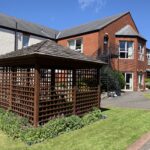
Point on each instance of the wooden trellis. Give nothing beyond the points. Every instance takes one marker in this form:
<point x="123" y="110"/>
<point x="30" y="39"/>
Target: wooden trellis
<point x="60" y="92"/>
<point x="42" y="87"/>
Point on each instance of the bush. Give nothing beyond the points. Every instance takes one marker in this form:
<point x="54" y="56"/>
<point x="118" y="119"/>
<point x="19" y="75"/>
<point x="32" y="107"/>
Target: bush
<point x="120" y="78"/>
<point x="147" y="83"/>
<point x="12" y="124"/>
<point x="91" y="117"/>
<point x="111" y="80"/>
<point x="18" y="127"/>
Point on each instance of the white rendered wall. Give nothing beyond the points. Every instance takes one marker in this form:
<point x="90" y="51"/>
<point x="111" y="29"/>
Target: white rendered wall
<point x="32" y="40"/>
<point x="7" y="41"/>
<point x="35" y="40"/>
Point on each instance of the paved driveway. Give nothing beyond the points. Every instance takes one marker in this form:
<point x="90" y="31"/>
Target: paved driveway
<point x="128" y="100"/>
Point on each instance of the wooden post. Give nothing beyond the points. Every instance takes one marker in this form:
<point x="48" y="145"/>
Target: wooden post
<point x="99" y="88"/>
<point x="11" y="88"/>
<point x="36" y="95"/>
<point x="74" y="91"/>
<point x="52" y="81"/>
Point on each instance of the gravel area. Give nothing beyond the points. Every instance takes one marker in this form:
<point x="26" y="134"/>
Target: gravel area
<point x="128" y="100"/>
<point x="146" y="146"/>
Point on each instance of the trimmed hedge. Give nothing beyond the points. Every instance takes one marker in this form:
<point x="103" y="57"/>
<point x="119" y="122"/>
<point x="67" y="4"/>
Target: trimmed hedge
<point x="18" y="127"/>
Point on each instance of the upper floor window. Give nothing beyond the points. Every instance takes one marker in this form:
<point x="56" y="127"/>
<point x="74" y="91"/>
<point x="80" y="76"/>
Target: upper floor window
<point x="148" y="57"/>
<point x="141" y="52"/>
<point x="25" y="41"/>
<point x="126" y="49"/>
<point x="106" y="38"/>
<point x="76" y="45"/>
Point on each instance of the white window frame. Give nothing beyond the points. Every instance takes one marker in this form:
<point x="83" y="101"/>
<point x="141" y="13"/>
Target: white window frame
<point x="126" y="50"/>
<point x="74" y="48"/>
<point x="148" y="58"/>
<point x="141" y="52"/>
<point x="140" y="79"/>
<point x="125" y="75"/>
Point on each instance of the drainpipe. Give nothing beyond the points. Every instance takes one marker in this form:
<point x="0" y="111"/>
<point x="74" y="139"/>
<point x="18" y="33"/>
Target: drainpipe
<point x="16" y="38"/>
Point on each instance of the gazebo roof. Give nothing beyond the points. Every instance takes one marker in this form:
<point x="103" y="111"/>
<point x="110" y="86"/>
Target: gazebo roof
<point x="50" y="49"/>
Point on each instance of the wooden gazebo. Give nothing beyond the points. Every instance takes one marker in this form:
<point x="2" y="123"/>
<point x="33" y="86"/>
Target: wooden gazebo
<point x="47" y="80"/>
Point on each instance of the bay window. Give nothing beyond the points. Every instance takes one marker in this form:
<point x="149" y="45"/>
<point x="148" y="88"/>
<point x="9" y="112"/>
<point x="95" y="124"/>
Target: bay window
<point x="141" y="52"/>
<point x="126" y="49"/>
<point x="148" y="57"/>
<point x="76" y="45"/>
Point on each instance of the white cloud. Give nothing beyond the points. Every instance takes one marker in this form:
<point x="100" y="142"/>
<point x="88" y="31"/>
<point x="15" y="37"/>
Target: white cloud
<point x="96" y="4"/>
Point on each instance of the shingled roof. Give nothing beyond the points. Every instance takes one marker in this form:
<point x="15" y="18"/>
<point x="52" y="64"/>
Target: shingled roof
<point x="92" y="26"/>
<point x="128" y="31"/>
<point x="51" y="49"/>
<point x="18" y="24"/>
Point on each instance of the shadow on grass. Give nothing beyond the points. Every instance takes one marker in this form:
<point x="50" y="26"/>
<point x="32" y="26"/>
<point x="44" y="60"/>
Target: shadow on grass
<point x="104" y="109"/>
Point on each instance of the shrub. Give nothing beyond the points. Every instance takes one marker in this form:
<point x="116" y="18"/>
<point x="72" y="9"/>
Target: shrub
<point x="147" y="83"/>
<point x="12" y="124"/>
<point x="18" y="127"/>
<point x="119" y="76"/>
<point x="111" y="80"/>
<point x="91" y="117"/>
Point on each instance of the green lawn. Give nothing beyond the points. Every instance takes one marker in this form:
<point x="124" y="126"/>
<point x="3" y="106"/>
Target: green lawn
<point x="122" y="128"/>
<point x="147" y="95"/>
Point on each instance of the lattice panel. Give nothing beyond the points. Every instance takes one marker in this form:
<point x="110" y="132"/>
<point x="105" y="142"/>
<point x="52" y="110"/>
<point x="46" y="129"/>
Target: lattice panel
<point x="86" y="78"/>
<point x="56" y="96"/>
<point x="87" y="93"/>
<point x="5" y="74"/>
<point x="86" y="100"/>
<point x="23" y="92"/>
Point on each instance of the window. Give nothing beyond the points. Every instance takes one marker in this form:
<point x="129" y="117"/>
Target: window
<point x="140" y="80"/>
<point x="148" y="57"/>
<point x="25" y="42"/>
<point x="76" y="45"/>
<point x="106" y="38"/>
<point x="141" y="52"/>
<point x="126" y="49"/>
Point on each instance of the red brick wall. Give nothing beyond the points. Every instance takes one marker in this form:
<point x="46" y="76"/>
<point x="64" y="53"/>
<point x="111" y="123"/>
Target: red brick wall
<point x="93" y="42"/>
<point x="113" y="28"/>
<point x="90" y="43"/>
<point x="131" y="65"/>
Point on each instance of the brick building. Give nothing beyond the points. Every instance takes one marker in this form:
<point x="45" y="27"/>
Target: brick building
<point x="148" y="64"/>
<point x="112" y="35"/>
<point x="115" y="37"/>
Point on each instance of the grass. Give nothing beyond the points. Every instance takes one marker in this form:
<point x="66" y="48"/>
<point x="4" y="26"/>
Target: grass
<point x="147" y="95"/>
<point x="120" y="129"/>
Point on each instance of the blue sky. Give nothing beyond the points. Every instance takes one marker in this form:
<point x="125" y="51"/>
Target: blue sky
<point x="62" y="14"/>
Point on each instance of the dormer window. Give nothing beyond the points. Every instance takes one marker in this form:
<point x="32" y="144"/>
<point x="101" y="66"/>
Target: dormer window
<point x="76" y="45"/>
<point x="25" y="41"/>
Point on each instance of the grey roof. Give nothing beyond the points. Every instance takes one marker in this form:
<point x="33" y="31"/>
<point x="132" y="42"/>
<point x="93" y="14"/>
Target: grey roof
<point x="128" y="31"/>
<point x="50" y="48"/>
<point x="10" y="22"/>
<point x="92" y="26"/>
<point x="147" y="49"/>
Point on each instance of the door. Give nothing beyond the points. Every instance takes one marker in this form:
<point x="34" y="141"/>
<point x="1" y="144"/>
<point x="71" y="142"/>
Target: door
<point x="128" y="81"/>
